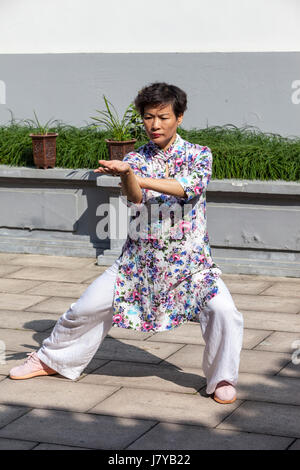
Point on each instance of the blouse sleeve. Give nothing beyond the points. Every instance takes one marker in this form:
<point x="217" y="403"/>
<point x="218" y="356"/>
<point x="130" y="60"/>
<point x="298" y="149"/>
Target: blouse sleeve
<point x="136" y="163"/>
<point x="195" y="183"/>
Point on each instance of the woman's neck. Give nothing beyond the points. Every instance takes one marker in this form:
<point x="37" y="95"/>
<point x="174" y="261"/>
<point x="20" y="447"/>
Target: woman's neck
<point x="170" y="143"/>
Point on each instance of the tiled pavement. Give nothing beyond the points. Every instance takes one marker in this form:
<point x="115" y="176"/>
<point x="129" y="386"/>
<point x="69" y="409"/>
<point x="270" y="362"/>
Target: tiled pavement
<point x="143" y="390"/>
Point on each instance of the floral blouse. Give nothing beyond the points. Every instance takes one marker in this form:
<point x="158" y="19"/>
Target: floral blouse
<point x="166" y="272"/>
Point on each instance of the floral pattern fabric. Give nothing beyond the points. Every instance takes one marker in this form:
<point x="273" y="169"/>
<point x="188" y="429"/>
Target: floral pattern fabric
<point x="166" y="273"/>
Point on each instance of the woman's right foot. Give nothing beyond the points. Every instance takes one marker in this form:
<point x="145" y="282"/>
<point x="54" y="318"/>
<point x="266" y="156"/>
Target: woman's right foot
<point x="32" y="367"/>
<point x="225" y="393"/>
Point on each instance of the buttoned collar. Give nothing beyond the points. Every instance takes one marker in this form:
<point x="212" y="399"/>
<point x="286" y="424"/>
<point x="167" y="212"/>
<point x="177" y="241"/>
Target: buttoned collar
<point x="174" y="149"/>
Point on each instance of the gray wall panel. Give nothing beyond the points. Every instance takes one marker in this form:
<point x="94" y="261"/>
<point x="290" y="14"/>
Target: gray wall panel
<point x="253" y="88"/>
<point x="38" y="209"/>
<point x="261" y="227"/>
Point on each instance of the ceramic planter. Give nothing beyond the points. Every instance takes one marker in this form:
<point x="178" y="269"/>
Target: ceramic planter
<point x="44" y="150"/>
<point x="118" y="149"/>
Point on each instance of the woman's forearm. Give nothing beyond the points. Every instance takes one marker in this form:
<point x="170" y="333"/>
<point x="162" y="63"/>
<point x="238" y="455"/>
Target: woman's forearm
<point x="162" y="185"/>
<point x="131" y="188"/>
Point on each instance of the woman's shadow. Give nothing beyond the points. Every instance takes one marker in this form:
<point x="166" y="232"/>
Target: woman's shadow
<point x="119" y="359"/>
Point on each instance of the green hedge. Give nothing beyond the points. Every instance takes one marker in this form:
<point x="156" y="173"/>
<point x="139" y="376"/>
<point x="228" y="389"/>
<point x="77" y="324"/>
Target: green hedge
<point x="243" y="153"/>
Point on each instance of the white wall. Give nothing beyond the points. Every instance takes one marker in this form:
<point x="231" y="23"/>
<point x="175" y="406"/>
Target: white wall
<point x="70" y="26"/>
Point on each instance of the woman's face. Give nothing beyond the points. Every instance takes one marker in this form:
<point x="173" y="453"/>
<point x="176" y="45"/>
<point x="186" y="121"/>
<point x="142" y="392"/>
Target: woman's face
<point x="161" y="124"/>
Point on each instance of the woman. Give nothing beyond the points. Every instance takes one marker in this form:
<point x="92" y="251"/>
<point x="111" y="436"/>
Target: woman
<point x="165" y="274"/>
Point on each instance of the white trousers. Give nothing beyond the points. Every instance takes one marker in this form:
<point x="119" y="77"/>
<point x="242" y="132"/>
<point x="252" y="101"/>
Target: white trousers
<point x="80" y="331"/>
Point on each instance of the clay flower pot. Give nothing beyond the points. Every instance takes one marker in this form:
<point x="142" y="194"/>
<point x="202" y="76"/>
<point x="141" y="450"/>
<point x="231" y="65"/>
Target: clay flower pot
<point x="118" y="149"/>
<point x="120" y="131"/>
<point x="44" y="149"/>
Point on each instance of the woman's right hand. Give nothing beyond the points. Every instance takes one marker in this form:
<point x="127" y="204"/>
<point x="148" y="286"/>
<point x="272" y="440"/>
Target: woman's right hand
<point x="129" y="184"/>
<point x="113" y="167"/>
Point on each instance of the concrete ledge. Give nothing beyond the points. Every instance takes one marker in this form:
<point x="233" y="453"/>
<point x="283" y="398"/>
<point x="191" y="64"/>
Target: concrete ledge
<point x="251" y="223"/>
<point x="50" y="211"/>
<point x="225" y="185"/>
<point x="229" y="186"/>
<point x="56" y="173"/>
<point x="255" y="187"/>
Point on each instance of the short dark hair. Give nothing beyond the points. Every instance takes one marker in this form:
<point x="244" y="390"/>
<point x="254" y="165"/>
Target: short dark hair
<point x="161" y="93"/>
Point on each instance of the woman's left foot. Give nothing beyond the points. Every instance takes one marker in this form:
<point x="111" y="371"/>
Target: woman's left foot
<point x="225" y="393"/>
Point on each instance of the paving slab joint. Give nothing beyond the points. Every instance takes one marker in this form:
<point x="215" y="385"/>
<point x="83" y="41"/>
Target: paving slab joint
<point x="290" y="445"/>
<point x="143" y="434"/>
<point x="27" y="410"/>
<point x="264" y="339"/>
<point x="101" y="401"/>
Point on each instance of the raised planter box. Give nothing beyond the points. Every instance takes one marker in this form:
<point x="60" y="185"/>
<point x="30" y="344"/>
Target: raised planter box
<point x="254" y="226"/>
<point x="50" y="211"/>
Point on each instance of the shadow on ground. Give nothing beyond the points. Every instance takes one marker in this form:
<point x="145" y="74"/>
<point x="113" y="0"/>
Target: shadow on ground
<point x="256" y="422"/>
<point x="141" y="363"/>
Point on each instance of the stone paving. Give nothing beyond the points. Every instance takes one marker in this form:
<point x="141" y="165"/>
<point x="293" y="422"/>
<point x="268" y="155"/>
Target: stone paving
<point x="145" y="390"/>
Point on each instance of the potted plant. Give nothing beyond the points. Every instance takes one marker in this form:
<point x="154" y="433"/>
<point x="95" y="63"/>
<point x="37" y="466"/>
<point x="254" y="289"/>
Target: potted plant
<point x="120" y="131"/>
<point x="43" y="144"/>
